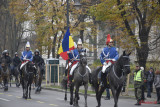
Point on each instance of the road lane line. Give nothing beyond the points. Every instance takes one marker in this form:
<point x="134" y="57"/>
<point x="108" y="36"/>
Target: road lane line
<point x="18" y="97"/>
<point x="40" y="102"/>
<point x="53" y="105"/>
<point x="4" y="99"/>
<point x="9" y="95"/>
<point x="29" y="99"/>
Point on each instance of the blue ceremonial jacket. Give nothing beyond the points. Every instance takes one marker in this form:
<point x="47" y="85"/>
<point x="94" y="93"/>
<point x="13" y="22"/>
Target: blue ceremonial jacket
<point x="27" y="55"/>
<point x="74" y="55"/>
<point x="109" y="53"/>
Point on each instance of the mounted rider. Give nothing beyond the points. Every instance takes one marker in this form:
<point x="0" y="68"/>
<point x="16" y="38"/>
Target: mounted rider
<point x="108" y="56"/>
<point x="74" y="58"/>
<point x="26" y="56"/>
<point x="37" y="59"/>
<point x="16" y="61"/>
<point x="5" y="55"/>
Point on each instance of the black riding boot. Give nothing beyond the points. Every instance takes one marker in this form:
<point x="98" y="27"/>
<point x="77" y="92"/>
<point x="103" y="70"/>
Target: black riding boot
<point x="103" y="79"/>
<point x="70" y="80"/>
<point x="90" y="78"/>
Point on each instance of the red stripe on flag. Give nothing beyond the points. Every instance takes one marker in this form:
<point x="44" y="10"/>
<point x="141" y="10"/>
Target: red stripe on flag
<point x="71" y="48"/>
<point x="64" y="55"/>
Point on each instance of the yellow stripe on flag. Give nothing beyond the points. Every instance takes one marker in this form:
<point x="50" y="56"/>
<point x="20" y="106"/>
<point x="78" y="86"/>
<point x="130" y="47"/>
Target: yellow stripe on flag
<point x="60" y="49"/>
<point x="71" y="43"/>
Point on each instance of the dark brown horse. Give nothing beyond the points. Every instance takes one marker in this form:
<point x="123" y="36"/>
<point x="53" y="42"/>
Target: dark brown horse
<point x="5" y="73"/>
<point x="38" y="79"/>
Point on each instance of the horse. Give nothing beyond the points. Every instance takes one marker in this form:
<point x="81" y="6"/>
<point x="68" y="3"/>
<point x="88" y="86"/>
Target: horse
<point x="38" y="79"/>
<point x="116" y="77"/>
<point x="80" y="77"/>
<point x="5" y="73"/>
<point x="64" y="86"/>
<point x="27" y="78"/>
<point x="15" y="73"/>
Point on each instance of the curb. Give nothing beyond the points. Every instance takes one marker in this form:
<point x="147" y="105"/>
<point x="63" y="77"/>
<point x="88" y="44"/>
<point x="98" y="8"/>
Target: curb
<point x="91" y="95"/>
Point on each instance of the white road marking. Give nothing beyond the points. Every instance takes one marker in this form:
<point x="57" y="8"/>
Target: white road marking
<point x="53" y="105"/>
<point x="4" y="99"/>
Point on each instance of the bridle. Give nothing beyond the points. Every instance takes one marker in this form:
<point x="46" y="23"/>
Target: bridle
<point x="123" y="70"/>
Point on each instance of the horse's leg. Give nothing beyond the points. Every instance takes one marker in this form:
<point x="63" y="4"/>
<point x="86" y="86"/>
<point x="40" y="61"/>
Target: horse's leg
<point x="114" y="93"/>
<point x="71" y="93"/>
<point x="118" y="92"/>
<point x="100" y="95"/>
<point x="65" y="98"/>
<point x="30" y="90"/>
<point x="76" y="95"/>
<point x="96" y="90"/>
<point x="27" y="90"/>
<point x="85" y="95"/>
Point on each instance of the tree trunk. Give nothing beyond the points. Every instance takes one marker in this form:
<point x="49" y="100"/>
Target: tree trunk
<point x="54" y="46"/>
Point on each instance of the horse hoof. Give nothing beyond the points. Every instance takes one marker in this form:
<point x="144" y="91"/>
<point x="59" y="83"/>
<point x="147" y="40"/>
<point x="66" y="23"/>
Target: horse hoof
<point x="71" y="103"/>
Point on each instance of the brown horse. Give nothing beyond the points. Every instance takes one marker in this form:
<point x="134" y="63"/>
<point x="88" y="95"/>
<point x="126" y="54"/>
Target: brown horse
<point x="38" y="79"/>
<point x="5" y="74"/>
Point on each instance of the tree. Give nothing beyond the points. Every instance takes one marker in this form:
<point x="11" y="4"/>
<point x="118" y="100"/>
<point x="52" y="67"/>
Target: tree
<point x="144" y="13"/>
<point x="11" y="30"/>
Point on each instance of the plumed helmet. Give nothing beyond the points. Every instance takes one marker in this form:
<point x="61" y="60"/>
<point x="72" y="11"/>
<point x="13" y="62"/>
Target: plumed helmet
<point x="27" y="44"/>
<point x="108" y="39"/>
<point x="79" y="41"/>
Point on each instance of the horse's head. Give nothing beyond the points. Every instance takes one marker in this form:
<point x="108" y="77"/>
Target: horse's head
<point x="4" y="62"/>
<point x="83" y="58"/>
<point x="125" y="62"/>
<point x="30" y="66"/>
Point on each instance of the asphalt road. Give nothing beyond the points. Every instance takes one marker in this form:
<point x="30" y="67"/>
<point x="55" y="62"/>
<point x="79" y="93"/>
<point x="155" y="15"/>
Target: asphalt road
<point x="49" y="98"/>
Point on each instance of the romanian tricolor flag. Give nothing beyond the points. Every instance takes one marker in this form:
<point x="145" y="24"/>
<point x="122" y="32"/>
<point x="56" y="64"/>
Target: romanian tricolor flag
<point x="67" y="45"/>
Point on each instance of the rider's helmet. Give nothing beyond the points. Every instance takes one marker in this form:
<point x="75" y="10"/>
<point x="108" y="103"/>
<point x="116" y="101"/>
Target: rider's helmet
<point x="108" y="39"/>
<point x="27" y="44"/>
<point x="5" y="52"/>
<point x="36" y="51"/>
<point x="79" y="43"/>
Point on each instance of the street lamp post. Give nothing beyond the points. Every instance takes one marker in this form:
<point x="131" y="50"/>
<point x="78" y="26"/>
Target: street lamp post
<point x="67" y="14"/>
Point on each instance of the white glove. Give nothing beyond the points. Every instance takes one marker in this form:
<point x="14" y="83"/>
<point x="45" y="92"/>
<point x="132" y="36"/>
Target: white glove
<point x="104" y="63"/>
<point x="113" y="60"/>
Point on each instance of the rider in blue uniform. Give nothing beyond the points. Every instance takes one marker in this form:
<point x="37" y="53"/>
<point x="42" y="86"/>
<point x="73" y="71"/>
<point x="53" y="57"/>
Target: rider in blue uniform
<point x="26" y="55"/>
<point x="108" y="56"/>
<point x="74" y="57"/>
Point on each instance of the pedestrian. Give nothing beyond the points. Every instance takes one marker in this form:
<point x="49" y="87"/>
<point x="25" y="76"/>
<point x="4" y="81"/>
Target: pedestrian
<point x="107" y="94"/>
<point x="150" y="79"/>
<point x="157" y="85"/>
<point x="143" y="86"/>
<point x="138" y="82"/>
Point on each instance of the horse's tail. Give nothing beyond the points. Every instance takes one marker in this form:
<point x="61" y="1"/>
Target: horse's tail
<point x="95" y="80"/>
<point x="64" y="82"/>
